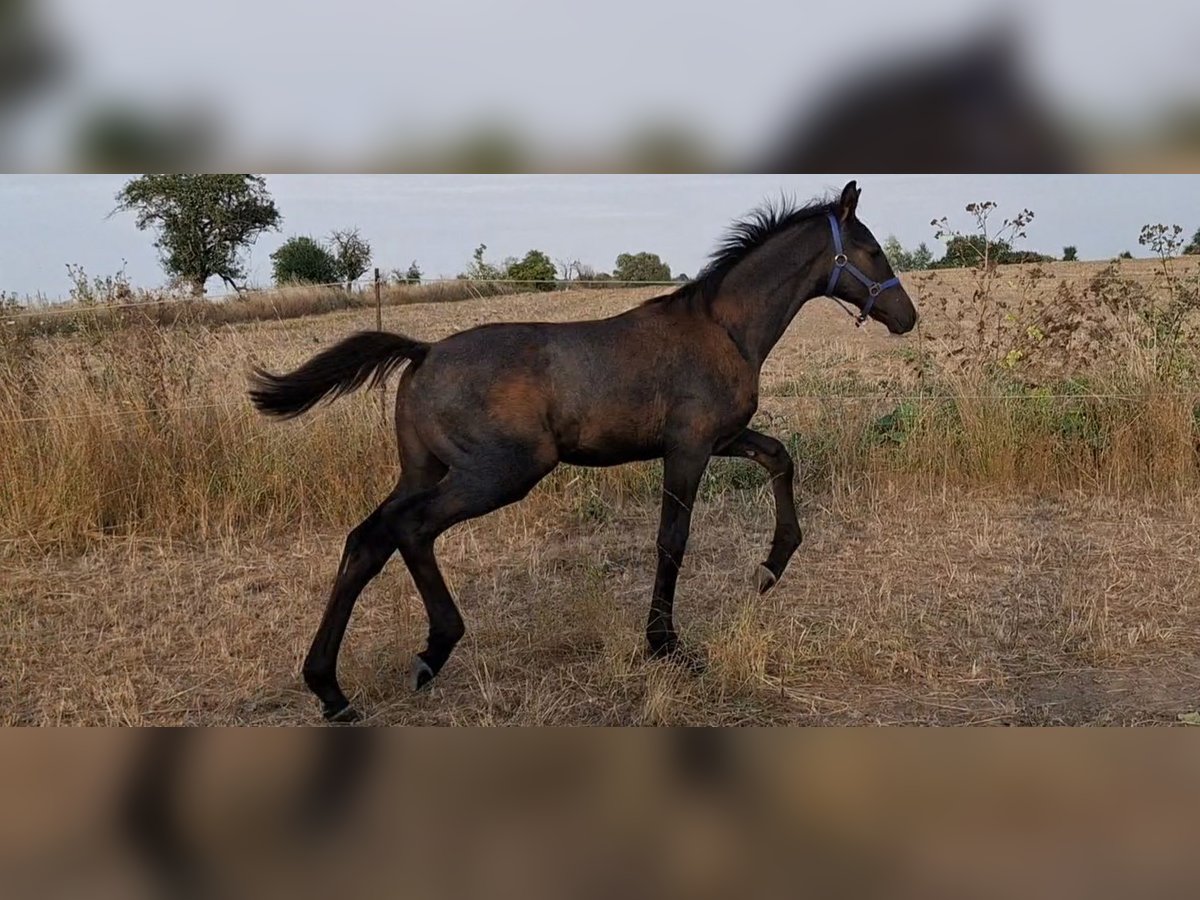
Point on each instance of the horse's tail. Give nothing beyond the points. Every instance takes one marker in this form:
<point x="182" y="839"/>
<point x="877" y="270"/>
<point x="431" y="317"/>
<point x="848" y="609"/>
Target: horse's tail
<point x="344" y="367"/>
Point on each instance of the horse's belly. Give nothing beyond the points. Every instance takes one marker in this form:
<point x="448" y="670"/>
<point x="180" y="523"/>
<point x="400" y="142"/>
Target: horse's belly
<point x="609" y="456"/>
<point x="596" y="442"/>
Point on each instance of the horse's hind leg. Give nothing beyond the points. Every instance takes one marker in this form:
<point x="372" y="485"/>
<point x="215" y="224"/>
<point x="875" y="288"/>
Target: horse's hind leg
<point x="504" y="478"/>
<point x="368" y="548"/>
<point x="772" y="456"/>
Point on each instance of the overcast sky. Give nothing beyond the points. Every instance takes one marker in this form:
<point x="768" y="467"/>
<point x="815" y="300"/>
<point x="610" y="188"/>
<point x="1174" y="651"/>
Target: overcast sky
<point x="47" y="221"/>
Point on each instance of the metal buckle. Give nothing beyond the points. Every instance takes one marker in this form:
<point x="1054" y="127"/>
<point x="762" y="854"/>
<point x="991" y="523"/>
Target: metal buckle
<point x="875" y="290"/>
<point x="840" y="260"/>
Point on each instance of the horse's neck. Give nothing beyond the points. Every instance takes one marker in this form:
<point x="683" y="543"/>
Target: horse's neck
<point x="761" y="295"/>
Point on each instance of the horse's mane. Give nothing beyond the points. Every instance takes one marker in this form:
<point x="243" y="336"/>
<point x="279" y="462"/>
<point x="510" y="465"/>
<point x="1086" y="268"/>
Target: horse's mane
<point x="744" y="237"/>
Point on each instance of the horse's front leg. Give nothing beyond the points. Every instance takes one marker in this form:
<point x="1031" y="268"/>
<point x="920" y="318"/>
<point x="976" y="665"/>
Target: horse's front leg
<point x="772" y="456"/>
<point x="681" y="480"/>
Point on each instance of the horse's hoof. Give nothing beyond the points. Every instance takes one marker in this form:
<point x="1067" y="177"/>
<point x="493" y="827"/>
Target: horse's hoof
<point x="343" y="716"/>
<point x="420" y="674"/>
<point x="664" y="649"/>
<point x="690" y="660"/>
<point x="766" y="579"/>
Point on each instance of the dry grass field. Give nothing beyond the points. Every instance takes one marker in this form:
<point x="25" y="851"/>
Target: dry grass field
<point x="1022" y="550"/>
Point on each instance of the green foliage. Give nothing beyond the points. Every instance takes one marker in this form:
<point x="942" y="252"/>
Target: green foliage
<point x="411" y="275"/>
<point x="1169" y="319"/>
<point x="1070" y="253"/>
<point x="303" y="260"/>
<point x="352" y="253"/>
<point x="535" y="267"/>
<point x="480" y="269"/>
<point x="968" y="250"/>
<point x="726" y="475"/>
<point x="907" y="260"/>
<point x="204" y="222"/>
<point x="1193" y="249"/>
<point x="895" y="427"/>
<point x="641" y="267"/>
<point x="894" y="251"/>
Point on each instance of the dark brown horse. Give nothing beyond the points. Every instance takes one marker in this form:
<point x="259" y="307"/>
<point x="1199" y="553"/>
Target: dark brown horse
<point x="484" y="415"/>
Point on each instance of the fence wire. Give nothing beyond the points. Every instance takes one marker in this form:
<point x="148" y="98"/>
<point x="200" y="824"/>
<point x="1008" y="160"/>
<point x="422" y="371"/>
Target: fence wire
<point x="367" y="282"/>
<point x="362" y="284"/>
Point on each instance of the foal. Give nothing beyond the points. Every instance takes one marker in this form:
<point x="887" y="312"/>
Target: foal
<point x="484" y="415"/>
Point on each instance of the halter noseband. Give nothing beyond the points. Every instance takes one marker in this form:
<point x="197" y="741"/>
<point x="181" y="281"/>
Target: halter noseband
<point x="840" y="262"/>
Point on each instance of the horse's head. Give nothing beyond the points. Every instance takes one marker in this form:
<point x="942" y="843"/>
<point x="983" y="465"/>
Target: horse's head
<point x="860" y="273"/>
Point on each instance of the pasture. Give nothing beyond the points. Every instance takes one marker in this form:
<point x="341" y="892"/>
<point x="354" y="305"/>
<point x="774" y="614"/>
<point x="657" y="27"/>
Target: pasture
<point x="1001" y="514"/>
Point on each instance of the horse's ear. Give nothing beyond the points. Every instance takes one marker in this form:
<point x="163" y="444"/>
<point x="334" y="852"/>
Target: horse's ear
<point x="849" y="202"/>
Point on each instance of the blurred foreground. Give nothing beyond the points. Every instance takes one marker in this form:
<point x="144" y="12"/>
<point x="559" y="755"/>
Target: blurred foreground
<point x="461" y="87"/>
<point x="682" y="814"/>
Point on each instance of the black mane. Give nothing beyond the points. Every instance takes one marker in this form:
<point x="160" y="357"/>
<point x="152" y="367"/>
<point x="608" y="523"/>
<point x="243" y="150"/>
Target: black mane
<point x="744" y="237"/>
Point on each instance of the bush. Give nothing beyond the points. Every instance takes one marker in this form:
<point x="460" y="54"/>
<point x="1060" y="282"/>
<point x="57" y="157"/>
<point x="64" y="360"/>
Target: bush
<point x="303" y="260"/>
<point x="535" y="267"/>
<point x="1193" y="249"/>
<point x="641" y="267"/>
<point x="966" y="251"/>
<point x="1070" y="254"/>
<point x="480" y="269"/>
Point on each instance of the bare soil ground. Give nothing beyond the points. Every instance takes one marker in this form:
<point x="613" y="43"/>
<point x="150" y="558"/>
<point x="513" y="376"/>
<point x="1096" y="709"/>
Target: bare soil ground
<point x="905" y="604"/>
<point x="965" y="610"/>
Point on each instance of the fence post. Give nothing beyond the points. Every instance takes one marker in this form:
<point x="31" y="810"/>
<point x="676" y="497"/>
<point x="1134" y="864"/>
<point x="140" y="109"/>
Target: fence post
<point x="379" y="327"/>
<point x="378" y="304"/>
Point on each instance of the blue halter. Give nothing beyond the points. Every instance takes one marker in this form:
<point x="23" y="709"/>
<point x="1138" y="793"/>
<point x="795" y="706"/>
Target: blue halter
<point x="840" y="262"/>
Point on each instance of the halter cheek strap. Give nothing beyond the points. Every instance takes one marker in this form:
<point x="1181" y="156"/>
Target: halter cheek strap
<point x="841" y="263"/>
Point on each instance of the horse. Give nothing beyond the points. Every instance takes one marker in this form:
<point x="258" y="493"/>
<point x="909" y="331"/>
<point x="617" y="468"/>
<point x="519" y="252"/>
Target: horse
<point x="485" y="414"/>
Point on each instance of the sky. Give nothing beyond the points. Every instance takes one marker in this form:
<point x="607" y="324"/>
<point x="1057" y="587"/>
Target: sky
<point x="48" y="221"/>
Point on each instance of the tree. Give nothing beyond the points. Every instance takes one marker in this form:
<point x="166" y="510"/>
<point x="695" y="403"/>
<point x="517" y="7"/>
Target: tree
<point x="413" y="275"/>
<point x="965" y="250"/>
<point x="303" y="260"/>
<point x="353" y="254"/>
<point x="894" y="251"/>
<point x="641" y="267"/>
<point x="921" y="258"/>
<point x="535" y="267"/>
<point x="1070" y="253"/>
<point x="204" y="222"/>
<point x="1193" y="249"/>
<point x="906" y="260"/>
<point x="480" y="269"/>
